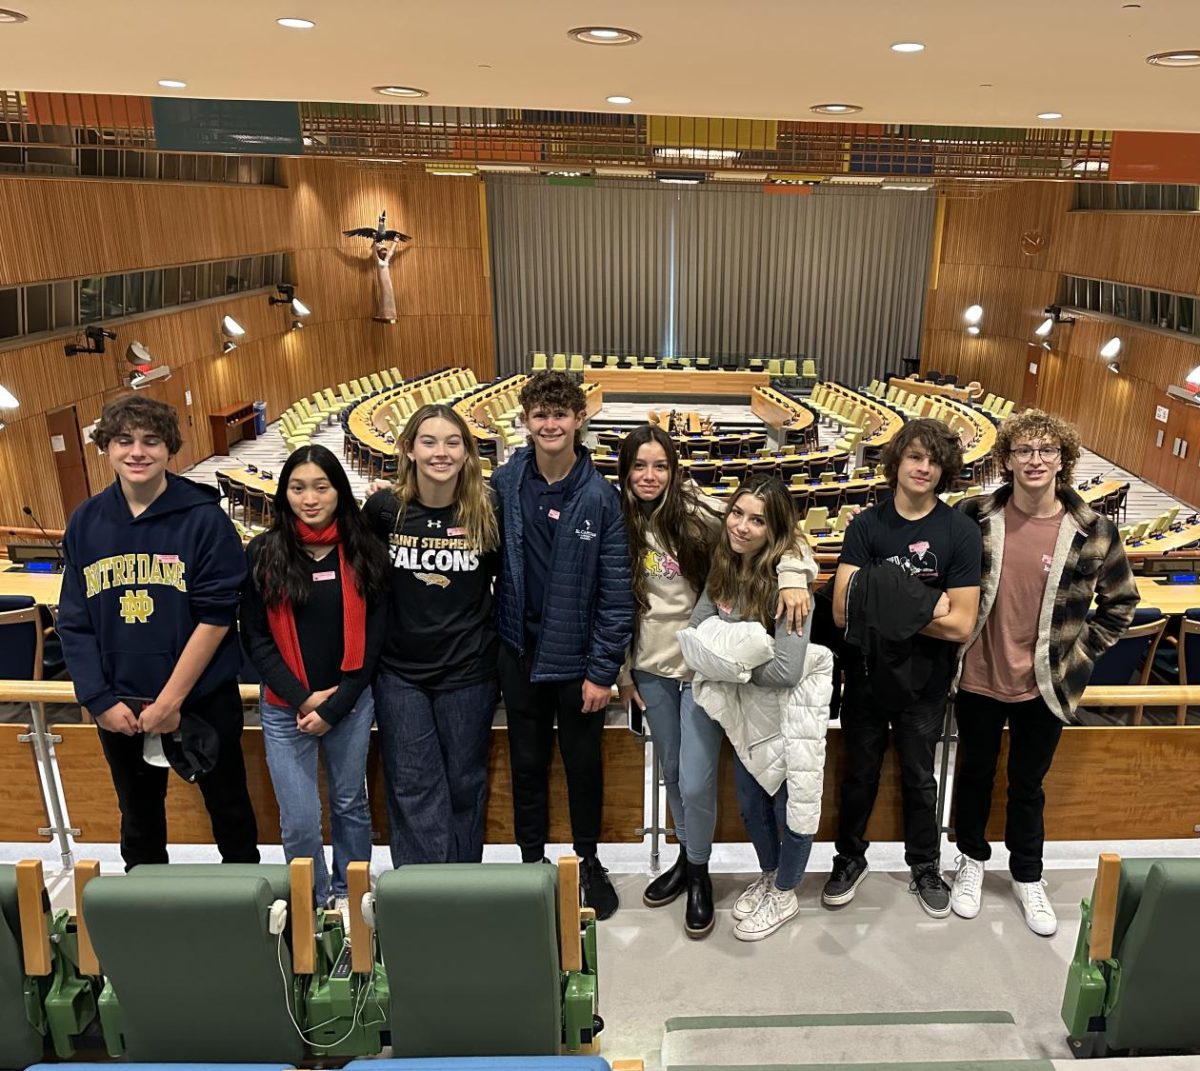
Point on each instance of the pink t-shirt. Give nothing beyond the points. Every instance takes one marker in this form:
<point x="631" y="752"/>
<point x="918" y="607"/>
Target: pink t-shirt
<point x="1000" y="663"/>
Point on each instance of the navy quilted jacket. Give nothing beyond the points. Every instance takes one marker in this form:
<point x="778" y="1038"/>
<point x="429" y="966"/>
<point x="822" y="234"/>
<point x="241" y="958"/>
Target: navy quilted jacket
<point x="587" y="621"/>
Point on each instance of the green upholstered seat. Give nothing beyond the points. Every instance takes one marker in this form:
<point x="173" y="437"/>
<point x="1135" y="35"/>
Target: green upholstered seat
<point x="1157" y="944"/>
<point x="193" y="966"/>
<point x="276" y="875"/>
<point x="472" y="958"/>
<point x="20" y="1044"/>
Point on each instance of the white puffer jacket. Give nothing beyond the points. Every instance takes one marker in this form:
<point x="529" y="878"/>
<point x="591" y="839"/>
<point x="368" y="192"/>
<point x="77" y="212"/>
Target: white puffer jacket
<point x="778" y="733"/>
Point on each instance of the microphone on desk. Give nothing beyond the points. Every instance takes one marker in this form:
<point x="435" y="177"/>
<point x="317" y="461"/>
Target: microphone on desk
<point x="57" y="547"/>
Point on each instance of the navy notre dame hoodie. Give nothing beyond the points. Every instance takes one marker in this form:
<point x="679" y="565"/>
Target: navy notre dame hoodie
<point x="135" y="588"/>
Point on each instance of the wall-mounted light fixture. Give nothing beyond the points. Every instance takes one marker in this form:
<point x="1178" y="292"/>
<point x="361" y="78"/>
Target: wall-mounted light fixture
<point x="1045" y="327"/>
<point x="287" y="296"/>
<point x="1114" y="367"/>
<point x="231" y="329"/>
<point x="1111" y="348"/>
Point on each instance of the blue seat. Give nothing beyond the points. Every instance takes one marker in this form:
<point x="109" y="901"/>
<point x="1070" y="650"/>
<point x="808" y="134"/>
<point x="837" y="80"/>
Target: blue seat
<point x="1180" y="663"/>
<point x="479" y="1063"/>
<point x="1131" y="658"/>
<point x="29" y="651"/>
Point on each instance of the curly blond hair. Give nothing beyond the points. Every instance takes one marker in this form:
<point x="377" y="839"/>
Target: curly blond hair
<point x="1037" y="424"/>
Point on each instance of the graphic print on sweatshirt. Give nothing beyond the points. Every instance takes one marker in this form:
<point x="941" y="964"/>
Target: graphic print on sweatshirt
<point x="138" y="574"/>
<point x="661" y="566"/>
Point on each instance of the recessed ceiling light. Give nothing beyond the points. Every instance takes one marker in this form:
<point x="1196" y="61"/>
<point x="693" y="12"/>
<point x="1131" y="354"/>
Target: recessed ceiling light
<point x="296" y="24"/>
<point x="604" y="35"/>
<point x="1188" y="57"/>
<point x="401" y="91"/>
<point x="1049" y="115"/>
<point x="8" y="16"/>
<point x="619" y="99"/>
<point x="908" y="46"/>
<point x="835" y="109"/>
<point x="172" y="83"/>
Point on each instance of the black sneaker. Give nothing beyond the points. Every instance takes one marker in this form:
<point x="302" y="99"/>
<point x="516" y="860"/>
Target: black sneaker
<point x="598" y="891"/>
<point x="931" y="890"/>
<point x="843" y="883"/>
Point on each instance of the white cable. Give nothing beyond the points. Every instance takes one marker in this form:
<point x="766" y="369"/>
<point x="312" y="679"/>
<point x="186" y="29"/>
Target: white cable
<point x="355" y="1019"/>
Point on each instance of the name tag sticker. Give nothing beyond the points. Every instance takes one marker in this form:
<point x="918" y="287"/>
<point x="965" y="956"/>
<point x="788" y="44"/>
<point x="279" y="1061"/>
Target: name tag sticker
<point x="168" y="559"/>
<point x="456" y="531"/>
<point x="553" y="514"/>
<point x="330" y="575"/>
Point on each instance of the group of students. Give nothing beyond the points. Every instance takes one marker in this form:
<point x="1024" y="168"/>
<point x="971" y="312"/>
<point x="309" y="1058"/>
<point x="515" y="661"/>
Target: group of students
<point x="549" y="587"/>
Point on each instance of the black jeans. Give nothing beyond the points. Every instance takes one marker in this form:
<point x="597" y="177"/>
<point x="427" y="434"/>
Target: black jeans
<point x="866" y="729"/>
<point x="142" y="788"/>
<point x="532" y="708"/>
<point x="1033" y="734"/>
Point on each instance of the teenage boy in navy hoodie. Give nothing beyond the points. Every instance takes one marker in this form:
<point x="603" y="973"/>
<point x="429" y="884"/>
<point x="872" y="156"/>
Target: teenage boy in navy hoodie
<point x="147" y="612"/>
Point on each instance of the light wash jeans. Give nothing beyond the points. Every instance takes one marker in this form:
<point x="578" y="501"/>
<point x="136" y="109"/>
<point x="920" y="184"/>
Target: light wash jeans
<point x="689" y="745"/>
<point x="292" y="760"/>
<point x="765" y="818"/>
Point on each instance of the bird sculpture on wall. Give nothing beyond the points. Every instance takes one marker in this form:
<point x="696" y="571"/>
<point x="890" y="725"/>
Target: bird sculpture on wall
<point x="378" y="233"/>
<point x="384" y="246"/>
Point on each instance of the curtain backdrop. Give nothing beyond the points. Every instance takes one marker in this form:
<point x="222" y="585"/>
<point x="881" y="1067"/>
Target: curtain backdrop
<point x="712" y="270"/>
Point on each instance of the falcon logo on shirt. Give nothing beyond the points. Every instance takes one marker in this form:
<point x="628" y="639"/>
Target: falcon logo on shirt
<point x="435" y="580"/>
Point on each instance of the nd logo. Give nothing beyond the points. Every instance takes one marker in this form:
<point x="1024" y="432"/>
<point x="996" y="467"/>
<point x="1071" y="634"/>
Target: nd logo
<point x="136" y="606"/>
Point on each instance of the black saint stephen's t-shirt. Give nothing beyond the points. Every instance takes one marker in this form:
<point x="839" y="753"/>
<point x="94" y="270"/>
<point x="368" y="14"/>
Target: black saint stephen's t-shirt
<point x="943" y="550"/>
<point x="440" y="631"/>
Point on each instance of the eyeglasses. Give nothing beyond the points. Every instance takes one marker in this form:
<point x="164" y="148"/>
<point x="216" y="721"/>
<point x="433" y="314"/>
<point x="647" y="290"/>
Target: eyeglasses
<point x="1025" y="453"/>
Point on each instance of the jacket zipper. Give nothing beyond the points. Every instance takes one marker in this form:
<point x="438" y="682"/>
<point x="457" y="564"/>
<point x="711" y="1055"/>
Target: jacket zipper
<point x="764" y="740"/>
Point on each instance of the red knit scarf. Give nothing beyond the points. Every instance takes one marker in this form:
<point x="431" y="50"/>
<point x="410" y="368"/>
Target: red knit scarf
<point x="354" y="614"/>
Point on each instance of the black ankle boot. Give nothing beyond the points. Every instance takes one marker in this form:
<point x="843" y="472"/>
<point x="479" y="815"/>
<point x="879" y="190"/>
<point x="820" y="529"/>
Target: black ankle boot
<point x="668" y="885"/>
<point x="698" y="918"/>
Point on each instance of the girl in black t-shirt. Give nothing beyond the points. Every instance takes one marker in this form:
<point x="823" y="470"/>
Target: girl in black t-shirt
<point x="313" y="615"/>
<point x="436" y="691"/>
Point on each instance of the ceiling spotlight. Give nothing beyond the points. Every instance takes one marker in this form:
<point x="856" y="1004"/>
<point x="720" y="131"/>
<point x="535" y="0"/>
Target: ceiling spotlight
<point x="604" y="35"/>
<point x="973" y="314"/>
<point x="230" y="327"/>
<point x="172" y="83"/>
<point x="1194" y="375"/>
<point x="908" y="46"/>
<point x="1111" y="348"/>
<point x="1049" y="115"/>
<point x="401" y="91"/>
<point x="296" y="24"/>
<point x="7" y="399"/>
<point x="1188" y="57"/>
<point x="299" y="308"/>
<point x="1114" y="367"/>
<point x="8" y="17"/>
<point x="1045" y="327"/>
<point x="619" y="99"/>
<point x="973" y="329"/>
<point x="835" y="109"/>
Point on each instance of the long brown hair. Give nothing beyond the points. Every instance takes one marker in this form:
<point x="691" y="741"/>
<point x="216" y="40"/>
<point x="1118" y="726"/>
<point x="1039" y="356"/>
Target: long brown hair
<point x="472" y="496"/>
<point x="750" y="585"/>
<point x="676" y="518"/>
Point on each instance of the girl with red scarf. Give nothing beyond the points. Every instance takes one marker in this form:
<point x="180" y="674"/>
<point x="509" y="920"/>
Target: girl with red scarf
<point x="313" y="617"/>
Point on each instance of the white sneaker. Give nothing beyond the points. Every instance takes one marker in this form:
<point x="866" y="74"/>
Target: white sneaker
<point x="342" y="905"/>
<point x="1039" y="915"/>
<point x="967" y="889"/>
<point x="748" y="902"/>
<point x="773" y="911"/>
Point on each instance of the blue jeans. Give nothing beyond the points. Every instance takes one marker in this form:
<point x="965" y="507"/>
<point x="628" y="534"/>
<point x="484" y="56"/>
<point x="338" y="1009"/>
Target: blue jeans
<point x="689" y="747"/>
<point x="434" y="746"/>
<point x="765" y="818"/>
<point x="292" y="760"/>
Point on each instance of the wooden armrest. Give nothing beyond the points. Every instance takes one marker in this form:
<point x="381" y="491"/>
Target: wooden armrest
<point x="358" y="884"/>
<point x="304" y="951"/>
<point x="85" y="870"/>
<point x="570" y="951"/>
<point x="627" y="1065"/>
<point x="1104" y="907"/>
<point x="33" y="904"/>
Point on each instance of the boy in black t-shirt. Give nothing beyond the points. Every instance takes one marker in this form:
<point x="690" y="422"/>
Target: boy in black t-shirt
<point x="939" y="546"/>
